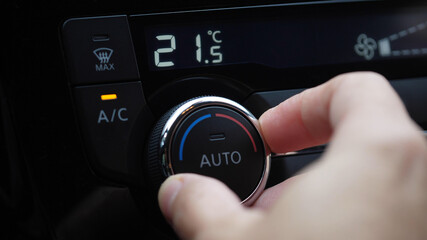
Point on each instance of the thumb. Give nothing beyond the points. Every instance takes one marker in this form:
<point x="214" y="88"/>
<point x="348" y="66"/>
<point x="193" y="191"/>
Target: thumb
<point x="199" y="206"/>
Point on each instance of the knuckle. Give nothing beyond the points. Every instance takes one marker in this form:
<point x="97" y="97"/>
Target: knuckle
<point x="403" y="145"/>
<point x="358" y="76"/>
<point x="412" y="143"/>
<point x="356" y="80"/>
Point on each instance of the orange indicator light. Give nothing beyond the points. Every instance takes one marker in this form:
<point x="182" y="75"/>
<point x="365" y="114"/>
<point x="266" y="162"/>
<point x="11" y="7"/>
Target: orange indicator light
<point x="106" y="97"/>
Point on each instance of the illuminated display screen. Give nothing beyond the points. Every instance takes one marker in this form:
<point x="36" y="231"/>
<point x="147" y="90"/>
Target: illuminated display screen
<point x="284" y="43"/>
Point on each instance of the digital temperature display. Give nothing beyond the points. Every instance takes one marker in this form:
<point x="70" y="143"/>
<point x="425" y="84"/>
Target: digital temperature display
<point x="284" y="43"/>
<point x="188" y="48"/>
<point x="167" y="44"/>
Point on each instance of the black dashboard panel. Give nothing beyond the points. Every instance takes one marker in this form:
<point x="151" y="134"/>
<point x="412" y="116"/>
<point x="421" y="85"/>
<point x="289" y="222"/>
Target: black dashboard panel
<point x="85" y="81"/>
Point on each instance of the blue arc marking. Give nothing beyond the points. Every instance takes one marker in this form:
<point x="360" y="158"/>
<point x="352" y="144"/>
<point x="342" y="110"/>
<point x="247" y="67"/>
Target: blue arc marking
<point x="181" y="146"/>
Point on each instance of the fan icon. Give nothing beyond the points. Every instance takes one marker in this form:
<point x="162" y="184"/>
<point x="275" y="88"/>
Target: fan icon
<point x="103" y="54"/>
<point x="365" y="47"/>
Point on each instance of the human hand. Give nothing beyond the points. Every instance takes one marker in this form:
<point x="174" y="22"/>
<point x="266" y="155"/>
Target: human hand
<point x="371" y="183"/>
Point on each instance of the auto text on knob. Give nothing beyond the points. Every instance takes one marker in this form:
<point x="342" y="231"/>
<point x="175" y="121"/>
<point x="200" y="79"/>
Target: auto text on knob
<point x="218" y="159"/>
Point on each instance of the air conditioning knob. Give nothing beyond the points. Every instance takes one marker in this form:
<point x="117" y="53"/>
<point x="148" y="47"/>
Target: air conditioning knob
<point x="212" y="136"/>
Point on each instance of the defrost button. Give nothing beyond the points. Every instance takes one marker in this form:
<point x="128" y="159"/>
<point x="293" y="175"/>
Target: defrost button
<point x="99" y="50"/>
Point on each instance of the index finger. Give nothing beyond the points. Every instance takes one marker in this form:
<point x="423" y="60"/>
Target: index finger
<point x="361" y="100"/>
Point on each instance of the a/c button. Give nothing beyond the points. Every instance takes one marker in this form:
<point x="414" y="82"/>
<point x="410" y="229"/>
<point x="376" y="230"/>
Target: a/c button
<point x="107" y="116"/>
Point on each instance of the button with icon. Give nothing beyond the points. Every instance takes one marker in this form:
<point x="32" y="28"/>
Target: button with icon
<point x="112" y="119"/>
<point x="99" y="50"/>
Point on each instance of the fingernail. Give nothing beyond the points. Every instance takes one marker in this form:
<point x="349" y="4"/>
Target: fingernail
<point x="167" y="194"/>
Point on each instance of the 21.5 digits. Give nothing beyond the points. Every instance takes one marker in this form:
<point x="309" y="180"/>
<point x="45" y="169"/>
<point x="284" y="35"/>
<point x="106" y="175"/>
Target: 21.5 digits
<point x="205" y="49"/>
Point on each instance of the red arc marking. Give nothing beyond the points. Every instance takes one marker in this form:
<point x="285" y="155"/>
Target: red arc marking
<point x="241" y="125"/>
